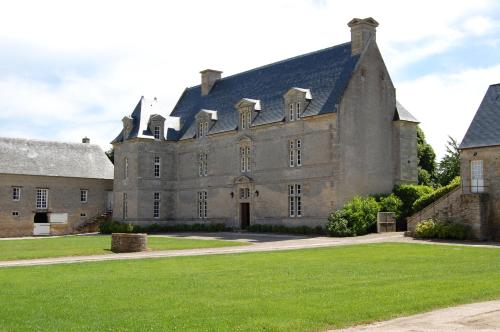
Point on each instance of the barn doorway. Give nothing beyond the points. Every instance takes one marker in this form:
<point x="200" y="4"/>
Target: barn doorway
<point x="41" y="225"/>
<point x="41" y="218"/>
<point x="245" y="215"/>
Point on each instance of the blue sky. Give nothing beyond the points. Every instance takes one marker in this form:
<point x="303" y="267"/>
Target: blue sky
<point x="70" y="69"/>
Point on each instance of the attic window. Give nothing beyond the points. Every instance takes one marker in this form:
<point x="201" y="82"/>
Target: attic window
<point x="202" y="129"/>
<point x="245" y="118"/>
<point x="157" y="132"/>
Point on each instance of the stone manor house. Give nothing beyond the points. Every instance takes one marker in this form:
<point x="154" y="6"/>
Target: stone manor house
<point x="286" y="143"/>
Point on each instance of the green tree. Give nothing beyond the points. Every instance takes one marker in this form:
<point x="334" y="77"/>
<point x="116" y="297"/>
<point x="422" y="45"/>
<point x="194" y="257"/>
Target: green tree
<point x="449" y="166"/>
<point x="111" y="154"/>
<point x="426" y="160"/>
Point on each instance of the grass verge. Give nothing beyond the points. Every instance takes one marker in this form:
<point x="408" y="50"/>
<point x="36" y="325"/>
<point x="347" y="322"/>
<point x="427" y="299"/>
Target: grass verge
<point x="93" y="245"/>
<point x="299" y="290"/>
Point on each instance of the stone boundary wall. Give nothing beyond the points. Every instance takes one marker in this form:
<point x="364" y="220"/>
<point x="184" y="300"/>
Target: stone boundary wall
<point x="456" y="207"/>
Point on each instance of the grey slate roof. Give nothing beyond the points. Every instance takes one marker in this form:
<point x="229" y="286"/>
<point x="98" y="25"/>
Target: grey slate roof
<point x="34" y="157"/>
<point x="484" y="129"/>
<point x="325" y="72"/>
<point x="402" y="114"/>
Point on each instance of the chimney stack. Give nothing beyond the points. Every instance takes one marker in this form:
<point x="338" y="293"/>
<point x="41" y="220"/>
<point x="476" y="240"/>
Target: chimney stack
<point x="86" y="140"/>
<point x="362" y="31"/>
<point x="208" y="79"/>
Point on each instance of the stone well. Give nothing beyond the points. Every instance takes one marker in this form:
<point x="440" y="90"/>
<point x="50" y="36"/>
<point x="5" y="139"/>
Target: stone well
<point x="129" y="242"/>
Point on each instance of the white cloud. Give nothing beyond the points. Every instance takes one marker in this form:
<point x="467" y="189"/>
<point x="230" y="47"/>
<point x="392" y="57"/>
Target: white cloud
<point x="157" y="48"/>
<point x="446" y="104"/>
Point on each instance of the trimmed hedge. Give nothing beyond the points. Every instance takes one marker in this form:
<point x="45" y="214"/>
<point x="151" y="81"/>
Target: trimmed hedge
<point x="432" y="229"/>
<point x="303" y="230"/>
<point x="109" y="227"/>
<point x="408" y="194"/>
<point x="425" y="200"/>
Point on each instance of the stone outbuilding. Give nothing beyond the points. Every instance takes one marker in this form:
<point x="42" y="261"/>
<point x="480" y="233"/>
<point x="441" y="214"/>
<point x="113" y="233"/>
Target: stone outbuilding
<point x="286" y="143"/>
<point x="477" y="201"/>
<point x="52" y="188"/>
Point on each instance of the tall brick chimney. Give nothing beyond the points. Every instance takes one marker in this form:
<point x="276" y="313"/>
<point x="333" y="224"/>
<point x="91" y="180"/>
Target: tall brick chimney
<point x="362" y="30"/>
<point x="208" y="79"/>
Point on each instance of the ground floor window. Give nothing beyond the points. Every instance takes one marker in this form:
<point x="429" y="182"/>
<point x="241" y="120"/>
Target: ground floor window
<point x="15" y="213"/>
<point x="156" y="205"/>
<point x="295" y="200"/>
<point x="42" y="196"/>
<point x="202" y="204"/>
<point x="125" y="206"/>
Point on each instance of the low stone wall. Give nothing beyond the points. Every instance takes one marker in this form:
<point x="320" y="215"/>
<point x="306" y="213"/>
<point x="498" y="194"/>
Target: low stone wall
<point x="466" y="209"/>
<point x="129" y="242"/>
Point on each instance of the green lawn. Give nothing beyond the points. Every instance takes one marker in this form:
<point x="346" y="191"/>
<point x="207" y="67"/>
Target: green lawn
<point x="93" y="245"/>
<point x="299" y="290"/>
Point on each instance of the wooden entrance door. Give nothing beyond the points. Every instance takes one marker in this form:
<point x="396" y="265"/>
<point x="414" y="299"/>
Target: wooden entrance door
<point x="245" y="215"/>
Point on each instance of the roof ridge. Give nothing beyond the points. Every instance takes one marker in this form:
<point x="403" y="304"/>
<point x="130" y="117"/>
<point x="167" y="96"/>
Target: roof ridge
<point x="276" y="63"/>
<point x="46" y="141"/>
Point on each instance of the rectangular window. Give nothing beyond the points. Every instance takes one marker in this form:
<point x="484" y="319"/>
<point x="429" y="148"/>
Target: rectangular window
<point x="244" y="158"/>
<point x="203" y="164"/>
<point x="477" y="176"/>
<point x="295" y="200"/>
<point x="15" y="213"/>
<point x="200" y="129"/>
<point x="291" y="113"/>
<point x="125" y="168"/>
<point x="295" y="153"/>
<point x="157" y="132"/>
<point x="125" y="206"/>
<point x="16" y="193"/>
<point x="156" y="205"/>
<point x="242" y="120"/>
<point x="297" y="111"/>
<point x="205" y="129"/>
<point x="157" y="162"/>
<point x="202" y="204"/>
<point x="244" y="193"/>
<point x="84" y="193"/>
<point x="42" y="196"/>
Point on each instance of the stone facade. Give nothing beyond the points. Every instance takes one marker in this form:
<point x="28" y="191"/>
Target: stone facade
<point x="34" y="167"/>
<point x="357" y="146"/>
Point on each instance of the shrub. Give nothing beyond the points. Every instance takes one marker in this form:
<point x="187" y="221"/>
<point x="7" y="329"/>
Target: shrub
<point x="113" y="226"/>
<point x="408" y="194"/>
<point x="109" y="227"/>
<point x="391" y="203"/>
<point x="304" y="230"/>
<point x="356" y="217"/>
<point x="431" y="229"/>
<point x="425" y="200"/>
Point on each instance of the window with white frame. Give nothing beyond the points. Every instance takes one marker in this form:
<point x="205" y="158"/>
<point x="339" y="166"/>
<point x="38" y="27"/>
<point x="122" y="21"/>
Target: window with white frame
<point x="477" y="176"/>
<point x="245" y="158"/>
<point x="295" y="200"/>
<point x="16" y="193"/>
<point x="156" y="165"/>
<point x="157" y="132"/>
<point x="156" y="205"/>
<point x="203" y="164"/>
<point x="295" y="152"/>
<point x="125" y="206"/>
<point x="202" y="204"/>
<point x="244" y="193"/>
<point x="298" y="107"/>
<point x="84" y="194"/>
<point x="125" y="168"/>
<point x="202" y="129"/>
<point x="245" y="118"/>
<point x="291" y="112"/>
<point x="42" y="196"/>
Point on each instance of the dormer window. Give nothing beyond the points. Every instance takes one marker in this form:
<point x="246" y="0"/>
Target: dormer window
<point x="296" y="101"/>
<point x="157" y="132"/>
<point x="245" y="118"/>
<point x="202" y="129"/>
